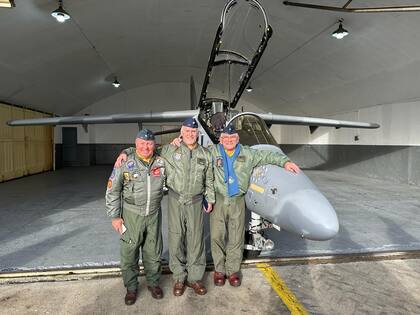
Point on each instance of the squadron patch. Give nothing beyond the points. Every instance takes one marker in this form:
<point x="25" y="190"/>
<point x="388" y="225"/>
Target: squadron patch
<point x="130" y="165"/>
<point x="155" y="171"/>
<point x="241" y="158"/>
<point x="109" y="184"/>
<point x="126" y="176"/>
<point x="177" y="156"/>
<point x="219" y="161"/>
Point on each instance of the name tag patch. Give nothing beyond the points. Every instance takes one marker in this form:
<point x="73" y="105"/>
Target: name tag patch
<point x="241" y="158"/>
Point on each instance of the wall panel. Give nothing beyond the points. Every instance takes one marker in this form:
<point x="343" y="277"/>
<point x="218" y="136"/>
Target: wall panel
<point x="23" y="150"/>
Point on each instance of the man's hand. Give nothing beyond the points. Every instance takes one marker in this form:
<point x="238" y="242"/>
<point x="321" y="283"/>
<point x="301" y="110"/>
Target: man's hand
<point x="121" y="158"/>
<point x="291" y="167"/>
<point x="117" y="224"/>
<point x="209" y="208"/>
<point x="177" y="142"/>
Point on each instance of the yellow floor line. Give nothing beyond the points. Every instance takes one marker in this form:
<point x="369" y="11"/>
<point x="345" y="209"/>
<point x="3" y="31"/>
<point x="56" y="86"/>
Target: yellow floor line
<point x="277" y="283"/>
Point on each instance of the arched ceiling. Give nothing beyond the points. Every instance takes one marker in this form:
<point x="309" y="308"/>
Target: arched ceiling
<point x="52" y="67"/>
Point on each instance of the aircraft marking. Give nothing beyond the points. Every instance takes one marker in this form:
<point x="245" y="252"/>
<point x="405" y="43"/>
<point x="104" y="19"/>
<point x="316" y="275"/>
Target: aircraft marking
<point x="256" y="188"/>
<point x="277" y="283"/>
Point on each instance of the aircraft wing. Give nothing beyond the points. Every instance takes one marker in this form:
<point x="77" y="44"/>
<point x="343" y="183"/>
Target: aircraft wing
<point x="169" y="116"/>
<point x="272" y="119"/>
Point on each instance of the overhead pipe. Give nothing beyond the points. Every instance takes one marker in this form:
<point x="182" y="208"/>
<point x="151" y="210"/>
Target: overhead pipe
<point x="345" y="9"/>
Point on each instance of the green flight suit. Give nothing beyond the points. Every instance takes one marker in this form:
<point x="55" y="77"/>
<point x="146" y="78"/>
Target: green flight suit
<point x="227" y="220"/>
<point x="189" y="179"/>
<point x="134" y="193"/>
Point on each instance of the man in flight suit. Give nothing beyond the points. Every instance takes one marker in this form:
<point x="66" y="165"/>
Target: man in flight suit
<point x="133" y="201"/>
<point x="189" y="179"/>
<point x="233" y="164"/>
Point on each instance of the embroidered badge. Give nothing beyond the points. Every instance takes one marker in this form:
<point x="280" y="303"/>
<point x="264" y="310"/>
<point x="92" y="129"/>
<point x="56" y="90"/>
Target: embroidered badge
<point x="201" y="161"/>
<point x="155" y="171"/>
<point x="130" y="165"/>
<point x="241" y="158"/>
<point x="219" y="162"/>
<point x="109" y="184"/>
<point x="126" y="176"/>
<point x="177" y="156"/>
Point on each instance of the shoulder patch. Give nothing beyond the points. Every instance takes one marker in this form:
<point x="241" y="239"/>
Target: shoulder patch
<point x="109" y="185"/>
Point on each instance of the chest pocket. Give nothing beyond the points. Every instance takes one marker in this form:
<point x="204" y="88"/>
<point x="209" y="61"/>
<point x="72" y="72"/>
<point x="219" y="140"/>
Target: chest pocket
<point x="200" y="169"/>
<point x="134" y="184"/>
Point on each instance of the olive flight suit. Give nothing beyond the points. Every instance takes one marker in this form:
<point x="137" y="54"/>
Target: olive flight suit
<point x="227" y="220"/>
<point x="134" y="193"/>
<point x="189" y="179"/>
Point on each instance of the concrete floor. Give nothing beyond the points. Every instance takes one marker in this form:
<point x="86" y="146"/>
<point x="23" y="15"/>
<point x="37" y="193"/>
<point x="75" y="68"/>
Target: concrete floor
<point x="382" y="287"/>
<point x="58" y="219"/>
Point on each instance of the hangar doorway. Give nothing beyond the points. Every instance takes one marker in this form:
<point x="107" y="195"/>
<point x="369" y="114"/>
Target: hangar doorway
<point x="70" y="146"/>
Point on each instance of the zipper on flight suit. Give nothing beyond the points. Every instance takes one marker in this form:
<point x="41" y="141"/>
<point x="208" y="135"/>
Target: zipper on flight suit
<point x="148" y="194"/>
<point x="148" y="186"/>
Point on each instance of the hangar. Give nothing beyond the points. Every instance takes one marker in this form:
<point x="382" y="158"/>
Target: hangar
<point x="53" y="178"/>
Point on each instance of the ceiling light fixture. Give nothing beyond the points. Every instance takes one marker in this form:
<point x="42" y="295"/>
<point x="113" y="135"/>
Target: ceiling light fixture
<point x="7" y="3"/>
<point x="116" y="83"/>
<point x="60" y="14"/>
<point x="340" y="32"/>
<point x="249" y="88"/>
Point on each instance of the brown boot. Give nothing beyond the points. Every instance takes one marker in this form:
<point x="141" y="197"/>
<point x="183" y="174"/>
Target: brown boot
<point x="235" y="280"/>
<point x="179" y="288"/>
<point x="198" y="287"/>
<point x="130" y="297"/>
<point x="156" y="292"/>
<point x="219" y="278"/>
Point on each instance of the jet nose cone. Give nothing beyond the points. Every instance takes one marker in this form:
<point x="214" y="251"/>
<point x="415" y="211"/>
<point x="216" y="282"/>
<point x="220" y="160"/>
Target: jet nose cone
<point x="311" y="215"/>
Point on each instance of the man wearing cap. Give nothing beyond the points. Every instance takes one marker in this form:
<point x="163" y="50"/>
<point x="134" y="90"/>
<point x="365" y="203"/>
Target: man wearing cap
<point x="189" y="179"/>
<point x="233" y="164"/>
<point x="133" y="201"/>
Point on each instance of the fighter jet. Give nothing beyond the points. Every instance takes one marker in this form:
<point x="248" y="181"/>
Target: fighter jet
<point x="276" y="198"/>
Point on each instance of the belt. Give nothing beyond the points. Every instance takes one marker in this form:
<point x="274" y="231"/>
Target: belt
<point x="228" y="200"/>
<point x="184" y="199"/>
